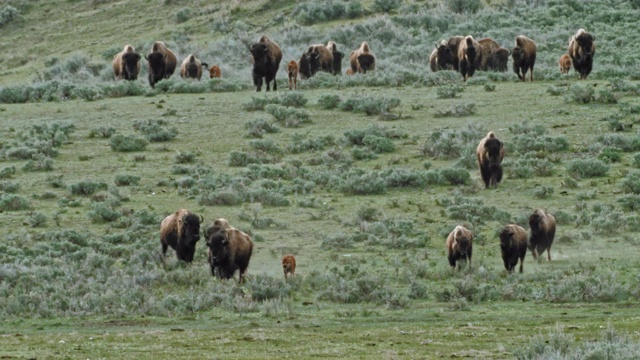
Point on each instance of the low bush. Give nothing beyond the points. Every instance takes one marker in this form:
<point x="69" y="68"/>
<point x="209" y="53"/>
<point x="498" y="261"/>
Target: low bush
<point x="370" y="105"/>
<point x="86" y="188"/>
<point x="13" y="202"/>
<point x="127" y="143"/>
<point x="156" y="130"/>
<point x="329" y="102"/>
<point x="259" y="127"/>
<point x="291" y="117"/>
<point x="587" y="168"/>
<point x="457" y="111"/>
<point x="126" y="180"/>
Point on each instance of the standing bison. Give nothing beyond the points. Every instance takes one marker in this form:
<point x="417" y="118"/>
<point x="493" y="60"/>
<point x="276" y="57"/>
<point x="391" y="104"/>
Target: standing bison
<point x="229" y="250"/>
<point x="265" y="57"/>
<point x="459" y="245"/>
<point x="441" y="57"/>
<point x="513" y="246"/>
<point x="490" y="153"/>
<point x="308" y="65"/>
<point x="191" y="67"/>
<point x="543" y="230"/>
<point x="289" y="266"/>
<point x="181" y="231"/>
<point x="565" y="63"/>
<point x="524" y="57"/>
<point x="126" y="64"/>
<point x="161" y="63"/>
<point x="582" y="48"/>
<point x="214" y="72"/>
<point x="469" y="57"/>
<point x="362" y="59"/>
<point x="494" y="57"/>
<point x="337" y="57"/>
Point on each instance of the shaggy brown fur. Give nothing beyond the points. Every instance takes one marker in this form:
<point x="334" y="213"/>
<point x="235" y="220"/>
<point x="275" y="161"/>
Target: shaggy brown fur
<point x="222" y="223"/>
<point x="488" y="47"/>
<point x="181" y="231"/>
<point x="543" y="230"/>
<point x="441" y="57"/>
<point x="126" y="64"/>
<point x="565" y="63"/>
<point x="460" y="246"/>
<point x="501" y="56"/>
<point x="337" y="57"/>
<point x="349" y="71"/>
<point x="161" y="63"/>
<point x="582" y="48"/>
<point x="293" y="74"/>
<point x="289" y="266"/>
<point x="325" y="57"/>
<point x="513" y="246"/>
<point x="362" y="59"/>
<point x="524" y="57"/>
<point x="191" y="67"/>
<point x="265" y="57"/>
<point x="469" y="57"/>
<point x="229" y="251"/>
<point x="490" y="153"/>
<point x="454" y="43"/>
<point x="214" y="72"/>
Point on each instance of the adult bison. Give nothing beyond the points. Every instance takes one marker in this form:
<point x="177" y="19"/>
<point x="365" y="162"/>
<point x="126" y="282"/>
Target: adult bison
<point x="490" y="153"/>
<point x="543" y="230"/>
<point x="513" y="246"/>
<point x="191" y="67"/>
<point x="565" y="63"/>
<point x="441" y="57"/>
<point x="460" y="246"/>
<point x="161" y="63"/>
<point x="453" y="43"/>
<point x="308" y="65"/>
<point x="337" y="57"/>
<point x="469" y="57"/>
<point x="582" y="48"/>
<point x="292" y="70"/>
<point x="524" y="57"/>
<point x="126" y="64"/>
<point x="362" y="59"/>
<point x="229" y="251"/>
<point x="289" y="266"/>
<point x="494" y="57"/>
<point x="265" y="57"/>
<point x="181" y="231"/>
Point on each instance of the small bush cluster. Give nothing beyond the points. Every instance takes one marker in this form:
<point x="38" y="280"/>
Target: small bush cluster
<point x="259" y="127"/>
<point x="448" y="91"/>
<point x="327" y="10"/>
<point x="127" y="143"/>
<point x="126" y="180"/>
<point x="370" y="105"/>
<point x="457" y="111"/>
<point x="156" y="130"/>
<point x="290" y="117"/>
<point x="587" y="168"/>
<point x="86" y="188"/>
<point x="8" y="14"/>
<point x="329" y="101"/>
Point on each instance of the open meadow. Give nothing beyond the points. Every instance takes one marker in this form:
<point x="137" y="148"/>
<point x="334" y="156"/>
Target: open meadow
<point x="360" y="177"/>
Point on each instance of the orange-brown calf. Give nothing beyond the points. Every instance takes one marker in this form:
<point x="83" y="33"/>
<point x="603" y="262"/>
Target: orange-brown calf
<point x="289" y="266"/>
<point x="292" y="67"/>
<point x="214" y="72"/>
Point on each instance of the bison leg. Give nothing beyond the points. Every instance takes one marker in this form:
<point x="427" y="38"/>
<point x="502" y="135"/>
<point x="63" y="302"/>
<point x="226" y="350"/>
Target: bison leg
<point x="531" y="73"/>
<point x="549" y="253"/>
<point x="257" y="81"/>
<point x="452" y="261"/>
<point x="486" y="176"/>
<point x="521" y="263"/>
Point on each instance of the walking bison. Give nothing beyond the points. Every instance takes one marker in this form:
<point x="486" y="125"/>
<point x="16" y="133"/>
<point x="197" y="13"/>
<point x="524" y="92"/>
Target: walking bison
<point x="460" y="246"/>
<point x="582" y="48"/>
<point x="126" y="64"/>
<point x="362" y="59"/>
<point x="229" y="251"/>
<point x="490" y="153"/>
<point x="265" y="57"/>
<point x="513" y="246"/>
<point x="161" y="63"/>
<point x="181" y="231"/>
<point x="524" y="57"/>
<point x="543" y="230"/>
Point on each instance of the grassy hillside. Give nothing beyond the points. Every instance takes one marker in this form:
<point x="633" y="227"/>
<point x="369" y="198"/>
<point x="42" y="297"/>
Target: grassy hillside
<point x="360" y="177"/>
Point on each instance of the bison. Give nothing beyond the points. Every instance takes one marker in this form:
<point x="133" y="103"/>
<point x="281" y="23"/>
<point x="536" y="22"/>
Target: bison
<point x="459" y="245"/>
<point x="501" y="56"/>
<point x="289" y="266"/>
<point x="126" y="64"/>
<point x="513" y="246"/>
<point x="524" y="57"/>
<point x="469" y="57"/>
<point x="565" y="63"/>
<point x="292" y="69"/>
<point x="161" y="63"/>
<point x="308" y="65"/>
<point x="453" y="44"/>
<point x="582" y="48"/>
<point x="191" y="67"/>
<point x="543" y="230"/>
<point x="229" y="250"/>
<point x="490" y="153"/>
<point x="214" y="72"/>
<point x="349" y="72"/>
<point x="181" y="231"/>
<point x="265" y="57"/>
<point x="337" y="58"/>
<point x="362" y="59"/>
<point x="494" y="57"/>
<point x="441" y="57"/>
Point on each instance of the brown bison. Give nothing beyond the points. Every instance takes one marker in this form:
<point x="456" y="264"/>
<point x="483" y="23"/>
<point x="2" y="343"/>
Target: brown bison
<point x="524" y="57"/>
<point x="453" y="43"/>
<point x="349" y="72"/>
<point x="565" y="63"/>
<point x="582" y="48"/>
<point x="292" y="69"/>
<point x="265" y="57"/>
<point x="181" y="231"/>
<point x="494" y="57"/>
<point x="337" y="57"/>
<point x="308" y="65"/>
<point x="459" y="245"/>
<point x="191" y="67"/>
<point x="501" y="56"/>
<point x="469" y="57"/>
<point x="214" y="72"/>
<point x="161" y="63"/>
<point x="362" y="59"/>
<point x="490" y="153"/>
<point x="441" y="57"/>
<point x="289" y="266"/>
<point x="126" y="64"/>
<point x="513" y="246"/>
<point x="222" y="223"/>
<point x="229" y="250"/>
<point x="543" y="230"/>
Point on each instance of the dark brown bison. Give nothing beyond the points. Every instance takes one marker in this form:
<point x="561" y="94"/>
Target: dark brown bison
<point x="460" y="246"/>
<point x="513" y="246"/>
<point x="191" y="67"/>
<point x="441" y="57"/>
<point x="161" y="63"/>
<point x="214" y="72"/>
<point x="308" y="65"/>
<point x="501" y="56"/>
<point x="543" y="230"/>
<point x="565" y="63"/>
<point x="181" y="231"/>
<point x="337" y="57"/>
<point x="524" y="57"/>
<point x="292" y="69"/>
<point x="229" y="250"/>
<point x="265" y="57"/>
<point x="289" y="266"/>
<point x="469" y="57"/>
<point x="126" y="64"/>
<point x="362" y="59"/>
<point x="453" y="43"/>
<point x="490" y="153"/>
<point x="494" y="57"/>
<point x="582" y="48"/>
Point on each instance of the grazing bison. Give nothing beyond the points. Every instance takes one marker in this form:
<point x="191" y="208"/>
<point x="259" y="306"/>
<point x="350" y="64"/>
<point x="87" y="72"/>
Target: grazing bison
<point x="161" y="63"/>
<point x="229" y="250"/>
<point x="469" y="57"/>
<point x="524" y="57"/>
<point x="191" y="67"/>
<point x="181" y="231"/>
<point x="126" y="64"/>
<point x="441" y="57"/>
<point x="265" y="57"/>
<point x="543" y="230"/>
<point x="582" y="48"/>
<point x="214" y="72"/>
<point x="565" y="63"/>
<point x="490" y="153"/>
<point x="292" y="69"/>
<point x="459" y="245"/>
<point x="337" y="58"/>
<point x="513" y="246"/>
<point x="362" y="59"/>
<point x="289" y="266"/>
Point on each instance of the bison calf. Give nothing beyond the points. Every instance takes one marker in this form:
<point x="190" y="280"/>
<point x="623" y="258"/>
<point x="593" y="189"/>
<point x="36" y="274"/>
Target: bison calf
<point x="513" y="246"/>
<point x="229" y="251"/>
<point x="459" y="245"/>
<point x="181" y="231"/>
<point x="543" y="230"/>
<point x="289" y="266"/>
<point x="490" y="153"/>
<point x="565" y="63"/>
<point x="292" y="69"/>
<point x="214" y="72"/>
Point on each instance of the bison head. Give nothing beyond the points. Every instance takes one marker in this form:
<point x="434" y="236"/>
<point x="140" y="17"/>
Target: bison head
<point x="309" y="64"/>
<point x="506" y="239"/>
<point x="445" y="55"/>
<point x="493" y="147"/>
<point x="464" y="242"/>
<point x="131" y="67"/>
<point x="218" y="243"/>
<point x="191" y="230"/>
<point x="367" y="62"/>
<point x="260" y="53"/>
<point x="585" y="41"/>
<point x="157" y="63"/>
